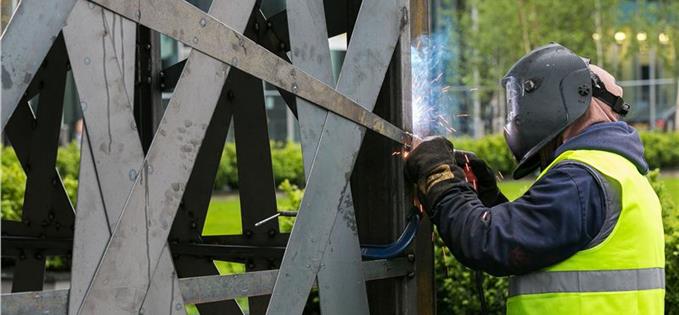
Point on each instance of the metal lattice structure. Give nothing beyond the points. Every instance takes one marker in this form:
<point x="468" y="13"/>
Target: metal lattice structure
<point x="146" y="172"/>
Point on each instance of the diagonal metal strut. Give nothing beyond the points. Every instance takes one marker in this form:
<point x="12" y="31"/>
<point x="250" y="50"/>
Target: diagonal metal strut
<point x="187" y="24"/>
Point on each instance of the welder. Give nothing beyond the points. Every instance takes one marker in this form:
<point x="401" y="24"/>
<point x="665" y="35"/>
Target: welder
<point x="587" y="236"/>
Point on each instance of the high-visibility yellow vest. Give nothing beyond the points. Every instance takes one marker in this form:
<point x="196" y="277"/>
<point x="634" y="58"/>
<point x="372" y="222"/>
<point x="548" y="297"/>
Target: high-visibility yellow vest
<point x="623" y="274"/>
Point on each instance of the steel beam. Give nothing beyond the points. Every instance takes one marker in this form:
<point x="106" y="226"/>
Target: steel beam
<point x="188" y="24"/>
<point x="14" y="246"/>
<point x="22" y="55"/>
<point x="191" y="260"/>
<point x="328" y="183"/>
<point x="257" y="189"/>
<point x="198" y="290"/>
<point x="266" y="36"/>
<point x="36" y="148"/>
<point x="342" y="287"/>
<point x="162" y="294"/>
<point x="419" y="295"/>
<point x="91" y="216"/>
<point x="424" y="248"/>
<point x="89" y="26"/>
<point x="117" y="287"/>
<point x="311" y="53"/>
<point x="35" y="138"/>
<point x="148" y="106"/>
<point x="104" y="73"/>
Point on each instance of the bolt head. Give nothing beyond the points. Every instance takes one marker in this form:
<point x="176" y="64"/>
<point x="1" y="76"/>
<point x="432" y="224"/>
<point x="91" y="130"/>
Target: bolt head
<point x="529" y="86"/>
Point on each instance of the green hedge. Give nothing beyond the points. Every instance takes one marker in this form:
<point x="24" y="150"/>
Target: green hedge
<point x="12" y="186"/>
<point x="286" y="162"/>
<point x="660" y="149"/>
<point x="287" y="157"/>
<point x="492" y="149"/>
<point x="14" y="179"/>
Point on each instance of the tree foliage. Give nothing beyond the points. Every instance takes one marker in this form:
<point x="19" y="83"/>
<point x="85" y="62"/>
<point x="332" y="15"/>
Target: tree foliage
<point x="505" y="30"/>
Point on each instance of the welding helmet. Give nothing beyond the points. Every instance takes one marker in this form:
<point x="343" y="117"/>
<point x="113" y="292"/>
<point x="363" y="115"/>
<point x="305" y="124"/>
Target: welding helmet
<point x="546" y="90"/>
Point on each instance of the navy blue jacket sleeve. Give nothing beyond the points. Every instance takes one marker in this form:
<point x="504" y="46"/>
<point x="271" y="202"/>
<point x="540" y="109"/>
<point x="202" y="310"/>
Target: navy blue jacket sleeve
<point x="558" y="216"/>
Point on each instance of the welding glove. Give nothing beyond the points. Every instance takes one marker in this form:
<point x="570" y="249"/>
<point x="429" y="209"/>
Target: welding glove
<point x="431" y="167"/>
<point x="486" y="186"/>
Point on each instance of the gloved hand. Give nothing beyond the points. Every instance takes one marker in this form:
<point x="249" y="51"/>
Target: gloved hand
<point x="487" y="189"/>
<point x="431" y="167"/>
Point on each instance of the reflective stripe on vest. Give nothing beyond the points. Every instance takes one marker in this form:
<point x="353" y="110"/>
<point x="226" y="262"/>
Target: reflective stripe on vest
<point x="588" y="281"/>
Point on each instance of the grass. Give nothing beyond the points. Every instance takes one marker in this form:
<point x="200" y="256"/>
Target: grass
<point x="223" y="216"/>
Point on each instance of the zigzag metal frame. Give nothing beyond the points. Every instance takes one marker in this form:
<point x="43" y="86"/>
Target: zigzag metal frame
<point x="128" y="200"/>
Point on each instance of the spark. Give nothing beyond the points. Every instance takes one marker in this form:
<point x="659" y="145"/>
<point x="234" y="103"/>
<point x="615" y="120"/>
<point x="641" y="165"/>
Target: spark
<point x="401" y="153"/>
<point x="437" y="78"/>
<point x="445" y="124"/>
<point x="441" y="118"/>
<point x="429" y="56"/>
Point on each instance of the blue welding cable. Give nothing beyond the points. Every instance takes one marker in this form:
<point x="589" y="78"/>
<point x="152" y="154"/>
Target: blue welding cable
<point x="396" y="248"/>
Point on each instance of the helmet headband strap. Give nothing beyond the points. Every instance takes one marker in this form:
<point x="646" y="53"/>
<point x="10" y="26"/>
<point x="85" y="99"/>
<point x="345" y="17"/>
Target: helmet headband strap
<point x="615" y="102"/>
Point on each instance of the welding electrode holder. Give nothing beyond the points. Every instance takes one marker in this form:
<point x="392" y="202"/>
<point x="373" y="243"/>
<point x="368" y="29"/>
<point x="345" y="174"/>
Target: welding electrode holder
<point x="481" y="177"/>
